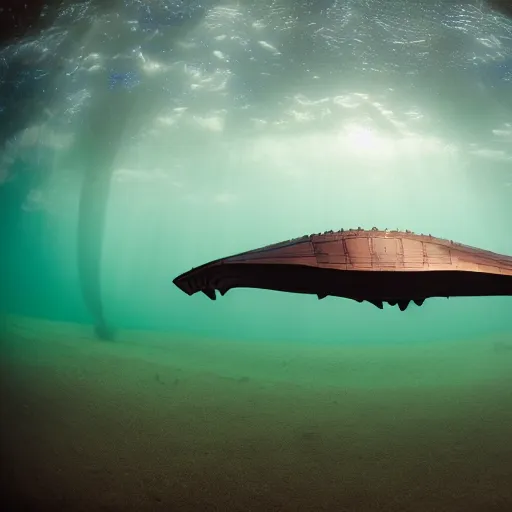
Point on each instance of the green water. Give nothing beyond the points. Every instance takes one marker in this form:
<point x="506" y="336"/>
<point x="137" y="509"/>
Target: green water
<point x="157" y="230"/>
<point x="252" y="125"/>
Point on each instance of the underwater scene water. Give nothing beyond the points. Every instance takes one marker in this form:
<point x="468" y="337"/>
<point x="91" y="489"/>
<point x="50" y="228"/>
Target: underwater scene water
<point x="139" y="139"/>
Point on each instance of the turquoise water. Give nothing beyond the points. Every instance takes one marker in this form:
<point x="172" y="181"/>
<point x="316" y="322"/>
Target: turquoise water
<point x="234" y="145"/>
<point x="228" y="126"/>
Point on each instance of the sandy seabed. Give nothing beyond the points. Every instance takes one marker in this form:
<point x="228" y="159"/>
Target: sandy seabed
<point x="167" y="422"/>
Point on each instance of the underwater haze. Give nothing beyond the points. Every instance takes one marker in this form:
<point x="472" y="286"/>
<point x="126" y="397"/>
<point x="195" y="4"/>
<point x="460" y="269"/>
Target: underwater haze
<point x="196" y="130"/>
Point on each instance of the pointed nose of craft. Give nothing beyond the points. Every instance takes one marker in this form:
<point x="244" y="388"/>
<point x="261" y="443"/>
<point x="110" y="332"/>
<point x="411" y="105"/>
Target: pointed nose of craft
<point x="184" y="284"/>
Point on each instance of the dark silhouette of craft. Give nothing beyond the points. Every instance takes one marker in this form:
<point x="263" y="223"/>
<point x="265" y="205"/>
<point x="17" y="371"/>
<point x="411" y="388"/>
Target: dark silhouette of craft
<point x="396" y="267"/>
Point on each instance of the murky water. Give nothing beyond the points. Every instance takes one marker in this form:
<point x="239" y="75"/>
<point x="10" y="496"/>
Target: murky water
<point x="225" y="126"/>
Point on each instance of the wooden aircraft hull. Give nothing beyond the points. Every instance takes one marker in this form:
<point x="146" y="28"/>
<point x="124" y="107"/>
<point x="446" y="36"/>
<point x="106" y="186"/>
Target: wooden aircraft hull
<point x="396" y="267"/>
